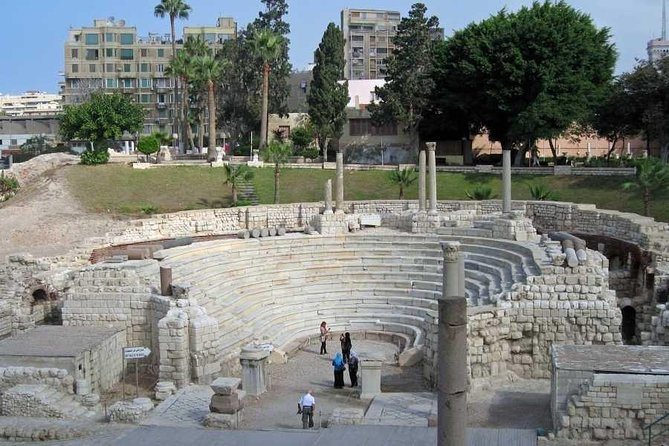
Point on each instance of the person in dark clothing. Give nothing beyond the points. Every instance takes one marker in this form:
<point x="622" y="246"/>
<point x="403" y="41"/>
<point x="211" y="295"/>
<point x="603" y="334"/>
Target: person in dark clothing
<point x="346" y="345"/>
<point x="353" y="368"/>
<point x="339" y="367"/>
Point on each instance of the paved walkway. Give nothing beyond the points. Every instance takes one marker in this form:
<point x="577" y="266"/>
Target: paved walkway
<point x="402" y="409"/>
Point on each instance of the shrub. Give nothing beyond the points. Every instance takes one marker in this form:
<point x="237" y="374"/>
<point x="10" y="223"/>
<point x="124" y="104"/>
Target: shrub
<point x="93" y="157"/>
<point x="481" y="192"/>
<point x="8" y="184"/>
<point x="541" y="192"/>
<point x="310" y="152"/>
<point x="149" y="209"/>
<point x="148" y="145"/>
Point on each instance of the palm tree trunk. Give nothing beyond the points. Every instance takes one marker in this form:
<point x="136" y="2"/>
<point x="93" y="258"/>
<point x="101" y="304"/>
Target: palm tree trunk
<point x="234" y="194"/>
<point x="646" y="202"/>
<point x="265" y="106"/>
<point x="175" y="109"/>
<point x="186" y="110"/>
<point x="401" y="192"/>
<point x="276" y="184"/>
<point x="200" y="128"/>
<point x="211" y="153"/>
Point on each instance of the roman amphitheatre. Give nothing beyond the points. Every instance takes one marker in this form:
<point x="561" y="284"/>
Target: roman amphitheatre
<point x="566" y="318"/>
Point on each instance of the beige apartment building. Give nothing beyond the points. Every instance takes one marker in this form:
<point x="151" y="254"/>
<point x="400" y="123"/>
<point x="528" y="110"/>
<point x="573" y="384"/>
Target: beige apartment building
<point x="113" y="57"/>
<point x="368" y="34"/>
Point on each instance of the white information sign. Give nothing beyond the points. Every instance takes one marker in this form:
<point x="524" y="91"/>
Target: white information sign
<point x="136" y="352"/>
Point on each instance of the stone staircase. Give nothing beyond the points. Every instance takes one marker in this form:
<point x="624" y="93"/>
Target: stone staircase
<point x="280" y="289"/>
<point x="247" y="192"/>
<point x="41" y="400"/>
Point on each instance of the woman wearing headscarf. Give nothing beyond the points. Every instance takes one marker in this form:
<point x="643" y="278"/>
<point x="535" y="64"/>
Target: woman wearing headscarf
<point x="353" y="362"/>
<point x="339" y="367"/>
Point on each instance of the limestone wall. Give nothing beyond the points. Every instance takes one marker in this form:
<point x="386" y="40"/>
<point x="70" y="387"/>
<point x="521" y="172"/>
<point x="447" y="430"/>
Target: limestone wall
<point x="615" y="406"/>
<point x="104" y="364"/>
<point x="56" y="378"/>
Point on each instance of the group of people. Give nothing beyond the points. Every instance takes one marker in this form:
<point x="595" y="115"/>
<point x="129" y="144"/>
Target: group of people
<point x="347" y="357"/>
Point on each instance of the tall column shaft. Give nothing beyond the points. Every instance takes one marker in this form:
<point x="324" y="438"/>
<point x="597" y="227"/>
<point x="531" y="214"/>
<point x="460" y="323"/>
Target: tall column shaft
<point x="328" y="196"/>
<point x="421" y="180"/>
<point x="339" y="185"/>
<point x="506" y="181"/>
<point x="432" y="162"/>
<point x="452" y="380"/>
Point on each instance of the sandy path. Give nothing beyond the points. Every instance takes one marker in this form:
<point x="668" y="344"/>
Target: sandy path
<point x="44" y="219"/>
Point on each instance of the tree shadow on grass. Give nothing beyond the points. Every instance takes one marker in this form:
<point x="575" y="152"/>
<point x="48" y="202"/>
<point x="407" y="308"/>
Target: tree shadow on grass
<point x="205" y="203"/>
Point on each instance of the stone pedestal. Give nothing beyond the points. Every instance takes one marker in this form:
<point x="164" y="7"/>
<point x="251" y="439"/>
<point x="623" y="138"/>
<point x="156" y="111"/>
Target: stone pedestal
<point x="370" y="376"/>
<point x="255" y="162"/>
<point x="226" y="405"/>
<point x="254" y="370"/>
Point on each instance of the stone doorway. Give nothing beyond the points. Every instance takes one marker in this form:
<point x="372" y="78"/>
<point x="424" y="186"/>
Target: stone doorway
<point x="628" y="327"/>
<point x="45" y="307"/>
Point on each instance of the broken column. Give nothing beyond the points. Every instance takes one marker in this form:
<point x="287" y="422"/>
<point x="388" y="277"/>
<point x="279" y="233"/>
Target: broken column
<point x="328" y="197"/>
<point x="452" y="381"/>
<point x="254" y="370"/>
<point x="339" y="185"/>
<point x="506" y="181"/>
<point x="370" y="375"/>
<point x="165" y="281"/>
<point x="432" y="162"/>
<point x="226" y="404"/>
<point x="421" y="181"/>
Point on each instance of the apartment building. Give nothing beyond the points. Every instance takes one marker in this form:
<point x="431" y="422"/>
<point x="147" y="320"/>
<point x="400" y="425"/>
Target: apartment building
<point x="368" y="34"/>
<point x="112" y="57"/>
<point x="30" y="103"/>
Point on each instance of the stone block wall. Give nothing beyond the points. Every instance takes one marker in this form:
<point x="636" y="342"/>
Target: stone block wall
<point x="173" y="343"/>
<point x="59" y="379"/>
<point x="104" y="363"/>
<point x="203" y="345"/>
<point x="615" y="406"/>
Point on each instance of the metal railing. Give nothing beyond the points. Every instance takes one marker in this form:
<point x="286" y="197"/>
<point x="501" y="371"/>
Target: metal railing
<point x="663" y="428"/>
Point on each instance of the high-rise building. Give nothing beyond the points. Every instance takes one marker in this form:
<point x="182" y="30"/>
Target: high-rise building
<point x="112" y="57"/>
<point x="31" y="103"/>
<point x="368" y="34"/>
<point x="659" y="48"/>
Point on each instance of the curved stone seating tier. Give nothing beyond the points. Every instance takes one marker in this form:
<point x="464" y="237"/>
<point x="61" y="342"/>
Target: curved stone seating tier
<point x="279" y="289"/>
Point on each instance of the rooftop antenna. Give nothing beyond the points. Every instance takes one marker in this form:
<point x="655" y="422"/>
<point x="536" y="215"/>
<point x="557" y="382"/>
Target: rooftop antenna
<point x="664" y="19"/>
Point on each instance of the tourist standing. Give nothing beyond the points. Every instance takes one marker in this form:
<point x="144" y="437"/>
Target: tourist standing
<point x="324" y="337"/>
<point x="353" y="362"/>
<point x="346" y="345"/>
<point x="339" y="367"/>
<point x="306" y="407"/>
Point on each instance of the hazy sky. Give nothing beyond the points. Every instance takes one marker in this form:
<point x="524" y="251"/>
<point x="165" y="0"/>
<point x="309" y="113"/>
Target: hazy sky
<point x="33" y="31"/>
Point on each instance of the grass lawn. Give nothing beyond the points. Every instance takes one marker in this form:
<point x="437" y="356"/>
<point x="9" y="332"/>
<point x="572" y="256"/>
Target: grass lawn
<point x="126" y="191"/>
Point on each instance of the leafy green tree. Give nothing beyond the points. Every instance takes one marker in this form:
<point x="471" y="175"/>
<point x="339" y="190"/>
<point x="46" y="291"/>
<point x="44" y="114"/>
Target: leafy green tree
<point x="528" y="74"/>
<point x="148" y="145"/>
<point x="235" y="176"/>
<point x="208" y="69"/>
<point x="267" y="47"/>
<point x="302" y="137"/>
<point x="403" y="178"/>
<point x="652" y="178"/>
<point x="277" y="153"/>
<point x="104" y="117"/>
<point x="406" y="95"/>
<point x="174" y="9"/>
<point x="36" y="145"/>
<point x="327" y="98"/>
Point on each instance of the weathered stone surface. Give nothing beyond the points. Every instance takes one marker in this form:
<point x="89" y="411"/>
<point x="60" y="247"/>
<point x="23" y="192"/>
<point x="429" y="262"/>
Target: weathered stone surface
<point x="225" y="385"/>
<point x="227" y="404"/>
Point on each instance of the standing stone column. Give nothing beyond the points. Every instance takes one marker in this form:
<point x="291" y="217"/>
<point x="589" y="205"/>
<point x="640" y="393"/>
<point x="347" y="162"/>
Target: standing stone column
<point x="421" y="181"/>
<point x="452" y="381"/>
<point x="506" y="181"/>
<point x="254" y="370"/>
<point x="432" y="162"/>
<point x="328" y="197"/>
<point x="339" y="185"/>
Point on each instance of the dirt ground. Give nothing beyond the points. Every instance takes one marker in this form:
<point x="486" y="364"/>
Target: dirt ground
<point x="44" y="219"/>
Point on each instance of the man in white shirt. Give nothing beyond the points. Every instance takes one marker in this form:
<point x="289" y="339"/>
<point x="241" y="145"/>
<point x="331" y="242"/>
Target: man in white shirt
<point x="306" y="407"/>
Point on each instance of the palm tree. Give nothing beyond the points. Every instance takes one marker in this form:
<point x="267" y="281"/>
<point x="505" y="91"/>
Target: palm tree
<point x="194" y="47"/>
<point x="652" y="176"/>
<point x="267" y="46"/>
<point x="183" y="68"/>
<point x="481" y="192"/>
<point x="541" y="192"/>
<point x="277" y="153"/>
<point x="236" y="175"/>
<point x="175" y="9"/>
<point x="208" y="69"/>
<point x="404" y="178"/>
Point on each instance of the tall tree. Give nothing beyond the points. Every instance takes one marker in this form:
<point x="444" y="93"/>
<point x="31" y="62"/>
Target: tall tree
<point x="267" y="47"/>
<point x="235" y="176"/>
<point x="405" y="96"/>
<point x="208" y="69"/>
<point x="277" y="153"/>
<point x="174" y="9"/>
<point x="104" y="117"/>
<point x="327" y="97"/>
<point x="182" y="67"/>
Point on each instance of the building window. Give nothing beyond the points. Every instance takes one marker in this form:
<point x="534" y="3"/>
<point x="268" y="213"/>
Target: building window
<point x="75" y="68"/>
<point x="145" y="98"/>
<point x="13" y="142"/>
<point x="160" y="68"/>
<point x="110" y="52"/>
<point x="91" y="39"/>
<point x="92" y="54"/>
<point x="144" y="68"/>
<point x="112" y="83"/>
<point x="143" y="52"/>
<point x="74" y="53"/>
<point x="161" y="52"/>
<point x="109" y="37"/>
<point x="127" y="68"/>
<point x="127" y="54"/>
<point x="91" y="68"/>
<point x="127" y="83"/>
<point x="110" y="68"/>
<point x="145" y="83"/>
<point x="126" y="39"/>
<point x="161" y="98"/>
<point x="364" y="127"/>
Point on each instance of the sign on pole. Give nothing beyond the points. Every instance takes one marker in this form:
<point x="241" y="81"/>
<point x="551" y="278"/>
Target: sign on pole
<point x="136" y="352"/>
